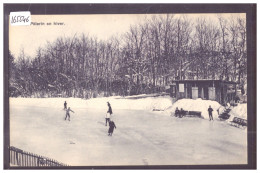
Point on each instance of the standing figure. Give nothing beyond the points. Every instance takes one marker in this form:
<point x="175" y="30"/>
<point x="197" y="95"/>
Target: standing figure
<point x="65" y="105"/>
<point x="108" y="114"/>
<point x="177" y="112"/>
<point x="111" y="128"/>
<point x="68" y="113"/>
<point x="181" y="113"/>
<point x="107" y="118"/>
<point x="210" y="110"/>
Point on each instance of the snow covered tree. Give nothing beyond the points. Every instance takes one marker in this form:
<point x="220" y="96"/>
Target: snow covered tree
<point x="144" y="59"/>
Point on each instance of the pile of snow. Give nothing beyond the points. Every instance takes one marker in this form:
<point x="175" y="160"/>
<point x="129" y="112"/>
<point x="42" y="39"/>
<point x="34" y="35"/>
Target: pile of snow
<point x="48" y="102"/>
<point x="196" y="105"/>
<point x="239" y="111"/>
<point x="148" y="103"/>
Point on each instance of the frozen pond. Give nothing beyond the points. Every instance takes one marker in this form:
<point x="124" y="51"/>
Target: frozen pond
<point x="141" y="138"/>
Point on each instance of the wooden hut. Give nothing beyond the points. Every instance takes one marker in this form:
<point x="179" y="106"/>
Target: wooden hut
<point x="218" y="90"/>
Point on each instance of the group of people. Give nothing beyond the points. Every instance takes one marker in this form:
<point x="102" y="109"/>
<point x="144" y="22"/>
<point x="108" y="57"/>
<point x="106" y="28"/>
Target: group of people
<point x="181" y="113"/>
<point x="108" y="119"/>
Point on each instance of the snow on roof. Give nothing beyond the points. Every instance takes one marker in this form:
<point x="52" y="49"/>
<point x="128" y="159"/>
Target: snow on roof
<point x="203" y="80"/>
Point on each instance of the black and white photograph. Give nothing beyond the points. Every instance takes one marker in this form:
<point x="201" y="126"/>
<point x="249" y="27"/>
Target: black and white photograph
<point x="129" y="89"/>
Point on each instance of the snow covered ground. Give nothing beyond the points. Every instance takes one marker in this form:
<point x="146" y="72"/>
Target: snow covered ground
<point x="196" y="105"/>
<point x="117" y="102"/>
<point x="142" y="137"/>
<point x="239" y="111"/>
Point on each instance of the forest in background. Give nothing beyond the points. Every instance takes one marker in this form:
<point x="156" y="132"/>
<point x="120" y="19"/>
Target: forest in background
<point x="145" y="59"/>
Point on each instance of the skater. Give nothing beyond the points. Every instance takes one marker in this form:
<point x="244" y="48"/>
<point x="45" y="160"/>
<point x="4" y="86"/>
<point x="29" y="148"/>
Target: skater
<point x="65" y="105"/>
<point x="111" y="128"/>
<point x="107" y="118"/>
<point x="177" y="112"/>
<point x="109" y="113"/>
<point x="210" y="110"/>
<point x="68" y="113"/>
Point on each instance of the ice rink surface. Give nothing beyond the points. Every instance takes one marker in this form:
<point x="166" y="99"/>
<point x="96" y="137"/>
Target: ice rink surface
<point x="142" y="137"/>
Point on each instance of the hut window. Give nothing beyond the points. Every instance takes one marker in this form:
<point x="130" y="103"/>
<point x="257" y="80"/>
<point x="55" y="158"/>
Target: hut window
<point x="195" y="92"/>
<point x="212" y="93"/>
<point x="202" y="93"/>
<point x="181" y="87"/>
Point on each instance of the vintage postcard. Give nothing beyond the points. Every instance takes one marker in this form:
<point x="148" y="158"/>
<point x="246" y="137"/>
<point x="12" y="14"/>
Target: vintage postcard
<point x="129" y="89"/>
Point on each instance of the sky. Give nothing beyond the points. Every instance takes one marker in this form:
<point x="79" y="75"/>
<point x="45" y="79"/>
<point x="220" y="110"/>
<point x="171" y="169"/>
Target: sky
<point x="30" y="38"/>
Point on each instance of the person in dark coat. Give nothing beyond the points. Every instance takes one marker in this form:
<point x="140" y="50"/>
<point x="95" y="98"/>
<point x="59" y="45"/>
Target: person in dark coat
<point x="181" y="113"/>
<point x="65" y="105"/>
<point x="177" y="112"/>
<point x="210" y="110"/>
<point x="109" y="113"/>
<point x="109" y="108"/>
<point x="111" y="128"/>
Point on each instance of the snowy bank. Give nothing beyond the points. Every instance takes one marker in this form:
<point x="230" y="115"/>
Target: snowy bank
<point x="148" y="103"/>
<point x="196" y="105"/>
<point x="239" y="111"/>
<point x="163" y="103"/>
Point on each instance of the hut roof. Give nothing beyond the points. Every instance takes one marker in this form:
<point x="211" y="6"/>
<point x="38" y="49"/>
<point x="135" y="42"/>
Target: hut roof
<point x="204" y="80"/>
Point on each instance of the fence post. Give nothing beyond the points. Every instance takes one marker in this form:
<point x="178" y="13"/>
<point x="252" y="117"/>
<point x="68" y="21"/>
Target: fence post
<point x="17" y="158"/>
<point x="33" y="163"/>
<point x="11" y="158"/>
<point x="33" y="160"/>
<point x="26" y="158"/>
<point x="37" y="158"/>
<point x="28" y="163"/>
<point x="29" y="158"/>
<point x="14" y="156"/>
<point x="23" y="158"/>
<point x="10" y="155"/>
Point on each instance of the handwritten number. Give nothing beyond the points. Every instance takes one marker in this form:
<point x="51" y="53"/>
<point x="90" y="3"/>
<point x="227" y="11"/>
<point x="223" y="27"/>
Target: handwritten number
<point x="16" y="19"/>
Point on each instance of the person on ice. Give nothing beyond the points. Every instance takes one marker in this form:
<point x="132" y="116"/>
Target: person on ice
<point x="65" y="105"/>
<point x="210" y="110"/>
<point x="68" y="113"/>
<point x="181" y="113"/>
<point x="107" y="118"/>
<point x="111" y="128"/>
<point x="177" y="112"/>
<point x="108" y="114"/>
